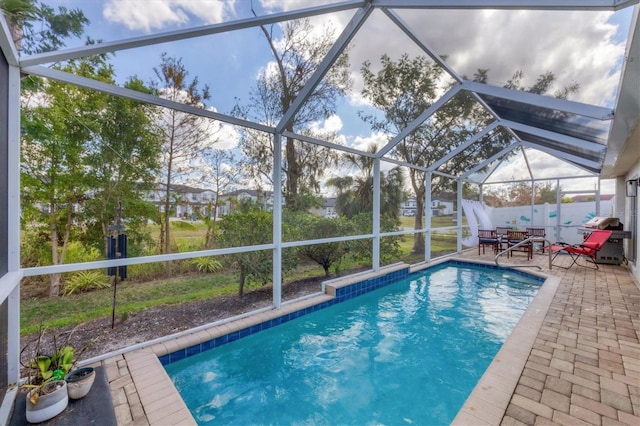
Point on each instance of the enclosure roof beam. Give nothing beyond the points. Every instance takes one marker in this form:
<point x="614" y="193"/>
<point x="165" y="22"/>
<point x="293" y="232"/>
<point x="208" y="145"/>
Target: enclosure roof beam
<point x="326" y="144"/>
<point x="591" y="111"/>
<point x="7" y="46"/>
<point x="111" y="89"/>
<point x="526" y="161"/>
<point x="558" y="137"/>
<point x="492" y="169"/>
<point x="463" y="146"/>
<point x="576" y="160"/>
<point x="428" y="50"/>
<point x="605" y="5"/>
<point x="494" y="157"/>
<point x="187" y="33"/>
<point x="402" y="163"/>
<point x="332" y="56"/>
<point x="418" y="121"/>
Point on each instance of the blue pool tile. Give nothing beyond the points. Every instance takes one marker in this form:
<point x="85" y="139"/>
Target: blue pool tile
<point x="209" y="344"/>
<point x="178" y="355"/>
<point x="165" y="359"/>
<point x="193" y="350"/>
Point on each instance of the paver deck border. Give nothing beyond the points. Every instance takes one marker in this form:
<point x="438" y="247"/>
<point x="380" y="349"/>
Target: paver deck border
<point x="151" y="397"/>
<point x="502" y="392"/>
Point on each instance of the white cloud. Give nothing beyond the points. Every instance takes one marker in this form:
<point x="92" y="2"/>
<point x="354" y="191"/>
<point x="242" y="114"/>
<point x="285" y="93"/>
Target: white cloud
<point x="362" y="143"/>
<point x="228" y="137"/>
<point x="575" y="46"/>
<point x="160" y="14"/>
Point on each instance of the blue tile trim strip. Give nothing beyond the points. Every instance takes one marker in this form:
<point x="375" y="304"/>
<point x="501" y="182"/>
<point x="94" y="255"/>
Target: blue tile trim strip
<point x="342" y="294"/>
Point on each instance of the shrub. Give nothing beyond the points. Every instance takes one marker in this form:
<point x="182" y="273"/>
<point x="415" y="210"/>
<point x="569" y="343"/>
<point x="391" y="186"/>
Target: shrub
<point x="78" y="253"/>
<point x="84" y="281"/>
<point x="207" y="264"/>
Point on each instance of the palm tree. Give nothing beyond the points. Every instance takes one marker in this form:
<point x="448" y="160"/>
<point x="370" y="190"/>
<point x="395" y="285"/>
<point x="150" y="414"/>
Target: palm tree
<point x="355" y="193"/>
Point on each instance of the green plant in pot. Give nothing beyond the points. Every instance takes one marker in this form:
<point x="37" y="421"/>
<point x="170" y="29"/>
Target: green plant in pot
<point x="46" y="370"/>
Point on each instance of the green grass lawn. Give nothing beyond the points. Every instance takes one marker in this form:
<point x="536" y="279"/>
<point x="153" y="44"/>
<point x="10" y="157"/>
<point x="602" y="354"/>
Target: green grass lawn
<point x="138" y="295"/>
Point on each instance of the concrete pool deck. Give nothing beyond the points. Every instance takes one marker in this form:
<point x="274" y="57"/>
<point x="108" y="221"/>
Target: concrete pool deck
<point x="574" y="358"/>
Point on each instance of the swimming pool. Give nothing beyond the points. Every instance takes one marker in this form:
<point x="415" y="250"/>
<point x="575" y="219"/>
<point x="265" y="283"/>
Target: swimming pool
<point x="407" y="353"/>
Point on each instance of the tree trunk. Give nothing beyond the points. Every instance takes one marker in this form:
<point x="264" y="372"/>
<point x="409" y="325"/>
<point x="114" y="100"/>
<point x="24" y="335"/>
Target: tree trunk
<point x="54" y="287"/>
<point x="293" y="174"/>
<point x="54" y="283"/>
<point x="242" y="280"/>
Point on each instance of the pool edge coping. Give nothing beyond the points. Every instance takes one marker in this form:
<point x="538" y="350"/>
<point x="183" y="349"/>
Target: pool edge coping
<point x="488" y="401"/>
<point x="161" y="402"/>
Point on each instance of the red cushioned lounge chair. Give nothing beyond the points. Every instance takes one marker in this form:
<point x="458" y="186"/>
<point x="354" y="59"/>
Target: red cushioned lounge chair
<point x="588" y="248"/>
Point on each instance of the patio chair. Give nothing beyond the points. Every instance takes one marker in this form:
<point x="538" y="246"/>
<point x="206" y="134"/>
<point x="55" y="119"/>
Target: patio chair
<point x="537" y="232"/>
<point x="487" y="237"/>
<point x="502" y="236"/>
<point x="517" y="237"/>
<point x="588" y="248"/>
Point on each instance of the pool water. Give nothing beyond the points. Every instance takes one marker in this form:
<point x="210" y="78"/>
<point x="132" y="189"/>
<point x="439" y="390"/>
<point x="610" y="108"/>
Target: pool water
<point x="407" y="353"/>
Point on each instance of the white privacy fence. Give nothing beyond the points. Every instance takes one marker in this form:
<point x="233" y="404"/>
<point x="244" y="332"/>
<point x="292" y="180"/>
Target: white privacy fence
<point x="561" y="224"/>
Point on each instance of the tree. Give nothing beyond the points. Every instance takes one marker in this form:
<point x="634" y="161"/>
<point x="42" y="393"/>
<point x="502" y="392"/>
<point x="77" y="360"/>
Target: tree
<point x="83" y="152"/>
<point x="297" y="56"/>
<point x="389" y="246"/>
<point x="355" y="193"/>
<point x="122" y="162"/>
<point x="184" y="135"/>
<point x="53" y="176"/>
<point x="250" y="228"/>
<point x="316" y="227"/>
<point x="37" y="27"/>
<point x="221" y="174"/>
<point x="547" y="193"/>
<point x="403" y="89"/>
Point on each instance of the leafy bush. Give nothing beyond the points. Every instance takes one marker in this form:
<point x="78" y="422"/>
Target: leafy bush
<point x="207" y="264"/>
<point x="84" y="281"/>
<point x="78" y="253"/>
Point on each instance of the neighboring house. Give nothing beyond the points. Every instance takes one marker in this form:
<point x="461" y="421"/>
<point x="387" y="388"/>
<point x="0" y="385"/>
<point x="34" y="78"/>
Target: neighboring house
<point x="186" y="201"/>
<point x="328" y="208"/>
<point x="408" y="208"/>
<point x="439" y="207"/>
<point x="264" y="198"/>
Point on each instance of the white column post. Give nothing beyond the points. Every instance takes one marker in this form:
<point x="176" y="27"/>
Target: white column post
<point x="375" y="258"/>
<point x="13" y="221"/>
<point x="277" y="220"/>
<point x="459" y="213"/>
<point x="427" y="216"/>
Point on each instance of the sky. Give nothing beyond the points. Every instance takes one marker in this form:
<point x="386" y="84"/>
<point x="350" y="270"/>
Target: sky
<point x="578" y="47"/>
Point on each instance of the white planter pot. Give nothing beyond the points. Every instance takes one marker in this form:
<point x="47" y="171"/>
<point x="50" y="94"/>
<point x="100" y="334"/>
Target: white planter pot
<point x="49" y="405"/>
<point x="79" y="382"/>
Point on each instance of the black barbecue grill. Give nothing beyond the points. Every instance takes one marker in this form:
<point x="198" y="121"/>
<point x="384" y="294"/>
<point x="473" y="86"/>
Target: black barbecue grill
<point x="612" y="252"/>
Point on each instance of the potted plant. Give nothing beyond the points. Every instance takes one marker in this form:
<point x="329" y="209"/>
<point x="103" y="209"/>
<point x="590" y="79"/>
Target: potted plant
<point x="79" y="382"/>
<point x="46" y="369"/>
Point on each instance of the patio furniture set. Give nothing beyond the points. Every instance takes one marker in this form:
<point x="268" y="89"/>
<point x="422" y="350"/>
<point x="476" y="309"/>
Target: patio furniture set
<point x="505" y="238"/>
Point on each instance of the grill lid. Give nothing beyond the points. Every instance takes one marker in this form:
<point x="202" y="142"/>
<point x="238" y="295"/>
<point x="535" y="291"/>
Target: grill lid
<point x="600" y="222"/>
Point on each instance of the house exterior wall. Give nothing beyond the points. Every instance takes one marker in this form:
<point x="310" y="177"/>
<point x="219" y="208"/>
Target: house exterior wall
<point x="632" y="224"/>
<point x="4" y="219"/>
